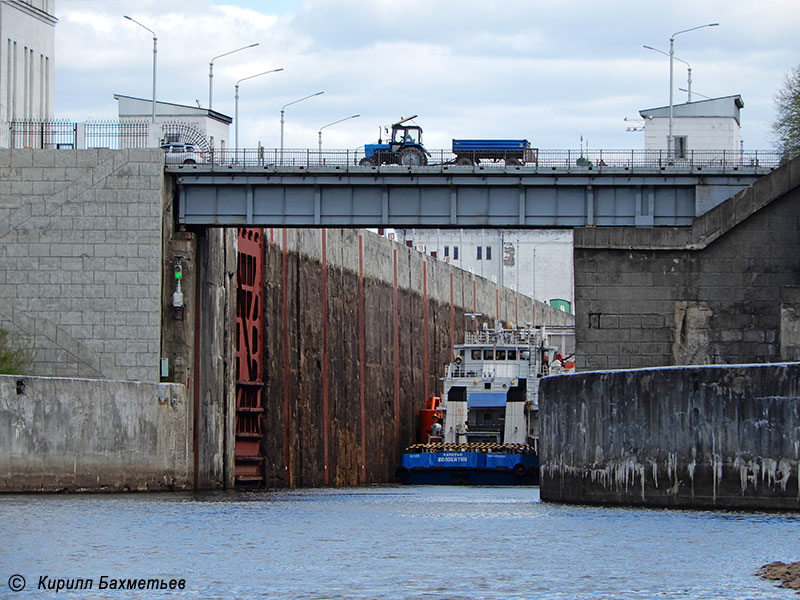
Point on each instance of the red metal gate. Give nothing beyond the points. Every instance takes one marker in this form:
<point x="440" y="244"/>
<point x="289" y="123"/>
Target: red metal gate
<point x="249" y="364"/>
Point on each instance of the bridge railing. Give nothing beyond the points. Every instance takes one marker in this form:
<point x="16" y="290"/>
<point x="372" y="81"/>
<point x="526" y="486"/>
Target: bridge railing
<point x="541" y="159"/>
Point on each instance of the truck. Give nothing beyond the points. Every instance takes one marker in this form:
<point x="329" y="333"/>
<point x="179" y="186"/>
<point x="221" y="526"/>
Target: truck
<point x="512" y="152"/>
<point x="403" y="148"/>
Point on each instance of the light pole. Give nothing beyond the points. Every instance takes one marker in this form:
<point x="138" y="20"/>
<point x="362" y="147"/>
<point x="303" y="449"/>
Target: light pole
<point x="282" y="111"/>
<point x="670" y="139"/>
<point x="236" y="103"/>
<point x="328" y="125"/>
<point x="688" y="89"/>
<point x="155" y="54"/>
<point x="211" y="70"/>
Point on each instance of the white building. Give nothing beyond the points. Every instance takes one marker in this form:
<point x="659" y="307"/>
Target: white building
<point x="27" y="48"/>
<point x="202" y="126"/>
<point x="535" y="262"/>
<point x="707" y="125"/>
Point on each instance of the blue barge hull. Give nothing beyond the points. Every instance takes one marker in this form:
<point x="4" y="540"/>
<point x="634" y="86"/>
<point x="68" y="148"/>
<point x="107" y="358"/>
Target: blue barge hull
<point x="468" y="467"/>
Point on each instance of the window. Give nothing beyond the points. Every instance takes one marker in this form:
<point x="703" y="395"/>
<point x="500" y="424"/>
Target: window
<point x="476" y="354"/>
<point x="487" y="386"/>
<point x="480" y="251"/>
<point x="681" y="146"/>
<point x="455" y="252"/>
<point x="488" y="253"/>
<point x="500" y="354"/>
<point x="488" y="354"/>
<point x="446" y="251"/>
<point x="512" y="355"/>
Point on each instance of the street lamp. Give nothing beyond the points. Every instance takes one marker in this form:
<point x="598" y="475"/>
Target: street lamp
<point x="155" y="53"/>
<point x="284" y="108"/>
<point x="334" y="123"/>
<point x="670" y="139"/>
<point x="688" y="90"/>
<point x="236" y="103"/>
<point x="211" y="70"/>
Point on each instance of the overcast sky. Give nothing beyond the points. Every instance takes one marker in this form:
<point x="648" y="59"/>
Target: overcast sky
<point x="550" y="72"/>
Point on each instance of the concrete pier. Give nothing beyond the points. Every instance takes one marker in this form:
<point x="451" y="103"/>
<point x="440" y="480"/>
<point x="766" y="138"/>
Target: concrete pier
<point x="696" y="436"/>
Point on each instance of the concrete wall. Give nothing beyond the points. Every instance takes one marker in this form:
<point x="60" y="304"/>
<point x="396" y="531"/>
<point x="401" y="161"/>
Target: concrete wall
<point x="80" y="269"/>
<point x="90" y="435"/>
<point x="699" y="437"/>
<point x="721" y="291"/>
<point x="341" y="400"/>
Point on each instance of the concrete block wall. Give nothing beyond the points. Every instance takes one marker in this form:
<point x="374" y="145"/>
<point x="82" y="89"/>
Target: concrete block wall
<point x="341" y="400"/>
<point x="714" y="293"/>
<point x="89" y="435"/>
<point x="80" y="268"/>
<point x="700" y="437"/>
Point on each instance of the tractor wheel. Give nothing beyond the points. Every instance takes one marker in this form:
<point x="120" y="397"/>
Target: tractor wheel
<point x="368" y="161"/>
<point x="413" y="157"/>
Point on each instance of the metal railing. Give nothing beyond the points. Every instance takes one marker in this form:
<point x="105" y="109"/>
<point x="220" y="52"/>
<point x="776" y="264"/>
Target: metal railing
<point x="591" y="160"/>
<point x="62" y="134"/>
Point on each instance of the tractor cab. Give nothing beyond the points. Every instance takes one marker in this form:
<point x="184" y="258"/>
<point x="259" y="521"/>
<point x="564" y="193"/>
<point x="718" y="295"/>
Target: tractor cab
<point x="404" y="148"/>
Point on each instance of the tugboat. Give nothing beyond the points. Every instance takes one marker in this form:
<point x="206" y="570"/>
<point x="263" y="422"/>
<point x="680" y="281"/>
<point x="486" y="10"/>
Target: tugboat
<point x="484" y="430"/>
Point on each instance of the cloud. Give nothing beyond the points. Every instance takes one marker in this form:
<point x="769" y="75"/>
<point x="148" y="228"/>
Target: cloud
<point x="548" y="72"/>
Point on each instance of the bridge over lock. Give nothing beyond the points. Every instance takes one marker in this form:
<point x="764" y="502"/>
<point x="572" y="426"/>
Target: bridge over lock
<point x="560" y="189"/>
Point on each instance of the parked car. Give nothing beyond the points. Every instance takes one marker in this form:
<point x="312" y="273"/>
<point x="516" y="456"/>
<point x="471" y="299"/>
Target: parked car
<point x="182" y="154"/>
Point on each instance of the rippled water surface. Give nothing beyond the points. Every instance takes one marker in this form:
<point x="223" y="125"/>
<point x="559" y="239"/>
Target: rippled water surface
<point x="388" y="542"/>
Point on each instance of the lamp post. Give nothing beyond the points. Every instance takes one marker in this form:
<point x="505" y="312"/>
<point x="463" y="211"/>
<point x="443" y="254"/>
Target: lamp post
<point x="282" y="111"/>
<point x="236" y="103"/>
<point x="328" y="125"/>
<point x="688" y="89"/>
<point x="211" y="70"/>
<point x="155" y="54"/>
<point x="670" y="139"/>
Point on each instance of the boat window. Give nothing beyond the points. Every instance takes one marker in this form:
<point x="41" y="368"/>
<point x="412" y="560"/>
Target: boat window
<point x="476" y="354"/>
<point x="500" y="354"/>
<point x="487" y="386"/>
<point x="461" y="352"/>
<point x="512" y="355"/>
<point x="488" y="354"/>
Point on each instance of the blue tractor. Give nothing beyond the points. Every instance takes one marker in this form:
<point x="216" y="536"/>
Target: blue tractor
<point x="404" y="148"/>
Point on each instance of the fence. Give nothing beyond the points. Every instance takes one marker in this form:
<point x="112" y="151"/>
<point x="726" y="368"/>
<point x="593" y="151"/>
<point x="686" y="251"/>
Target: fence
<point x="539" y="159"/>
<point x="58" y="134"/>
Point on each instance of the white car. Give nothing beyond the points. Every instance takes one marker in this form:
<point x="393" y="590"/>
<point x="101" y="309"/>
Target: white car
<point x="182" y="154"/>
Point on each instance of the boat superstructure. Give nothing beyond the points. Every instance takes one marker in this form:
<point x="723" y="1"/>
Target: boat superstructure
<point x="488" y="418"/>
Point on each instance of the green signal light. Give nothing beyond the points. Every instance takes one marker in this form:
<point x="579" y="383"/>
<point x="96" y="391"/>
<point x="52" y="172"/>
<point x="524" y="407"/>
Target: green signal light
<point x="178" y="272"/>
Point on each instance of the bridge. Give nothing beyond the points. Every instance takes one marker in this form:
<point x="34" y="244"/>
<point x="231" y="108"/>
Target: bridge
<point x="562" y="188"/>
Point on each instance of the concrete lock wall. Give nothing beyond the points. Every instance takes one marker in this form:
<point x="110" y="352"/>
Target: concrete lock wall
<point x="341" y="406"/>
<point x="93" y="435"/>
<point x="699" y="437"/>
<point x="722" y="291"/>
<point x="80" y="275"/>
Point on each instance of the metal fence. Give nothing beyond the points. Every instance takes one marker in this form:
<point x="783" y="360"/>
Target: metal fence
<point x="61" y="134"/>
<point x="541" y="159"/>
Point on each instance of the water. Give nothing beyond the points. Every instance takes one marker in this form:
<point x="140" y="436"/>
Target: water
<point x="388" y="542"/>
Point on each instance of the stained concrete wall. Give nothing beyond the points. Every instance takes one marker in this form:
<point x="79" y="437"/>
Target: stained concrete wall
<point x="92" y="435"/>
<point x="341" y="400"/>
<point x="699" y="437"/>
<point x="721" y="291"/>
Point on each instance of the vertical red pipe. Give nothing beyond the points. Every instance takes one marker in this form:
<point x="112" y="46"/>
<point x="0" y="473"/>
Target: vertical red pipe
<point x="452" y="322"/>
<point x="474" y="303"/>
<point x="324" y="294"/>
<point x="497" y="303"/>
<point x="286" y="364"/>
<point x="425" y="327"/>
<point x="362" y="359"/>
<point x="196" y="375"/>
<point x="396" y="340"/>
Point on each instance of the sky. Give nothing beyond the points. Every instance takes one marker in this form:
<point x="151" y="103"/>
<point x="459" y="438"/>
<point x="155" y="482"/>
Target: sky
<point x="562" y="75"/>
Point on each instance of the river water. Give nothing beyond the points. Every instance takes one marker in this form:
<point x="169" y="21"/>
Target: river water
<point x="384" y="542"/>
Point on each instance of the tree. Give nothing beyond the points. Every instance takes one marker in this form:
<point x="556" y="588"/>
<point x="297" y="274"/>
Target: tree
<point x="16" y="354"/>
<point x="787" y="122"/>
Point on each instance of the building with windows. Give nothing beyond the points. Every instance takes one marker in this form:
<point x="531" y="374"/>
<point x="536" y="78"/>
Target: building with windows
<point x="706" y="125"/>
<point x="535" y="262"/>
<point x="27" y="48"/>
